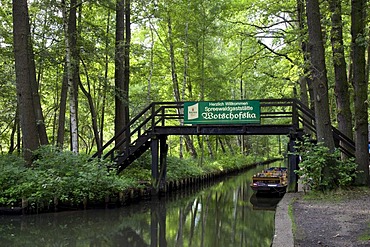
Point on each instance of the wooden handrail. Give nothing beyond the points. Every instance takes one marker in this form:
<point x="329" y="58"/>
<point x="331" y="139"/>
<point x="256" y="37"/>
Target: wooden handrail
<point x="162" y="114"/>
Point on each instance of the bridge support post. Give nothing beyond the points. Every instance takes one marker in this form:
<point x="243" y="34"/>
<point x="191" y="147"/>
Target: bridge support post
<point x="293" y="161"/>
<point x="155" y="163"/>
<point x="159" y="149"/>
<point x="163" y="150"/>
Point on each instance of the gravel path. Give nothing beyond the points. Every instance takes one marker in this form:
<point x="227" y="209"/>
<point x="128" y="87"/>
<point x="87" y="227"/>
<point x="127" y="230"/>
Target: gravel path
<point x="345" y="222"/>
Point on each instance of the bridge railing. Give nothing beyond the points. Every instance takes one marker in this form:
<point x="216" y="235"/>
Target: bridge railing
<point x="306" y="118"/>
<point x="171" y="114"/>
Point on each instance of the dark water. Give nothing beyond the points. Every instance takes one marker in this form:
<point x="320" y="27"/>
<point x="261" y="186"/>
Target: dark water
<point x="222" y="215"/>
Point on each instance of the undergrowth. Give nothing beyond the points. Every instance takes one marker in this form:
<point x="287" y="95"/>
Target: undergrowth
<point x="339" y="194"/>
<point x="322" y="170"/>
<point x="66" y="177"/>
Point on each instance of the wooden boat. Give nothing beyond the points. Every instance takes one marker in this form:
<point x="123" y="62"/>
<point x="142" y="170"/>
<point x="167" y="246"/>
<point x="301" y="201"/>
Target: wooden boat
<point x="270" y="180"/>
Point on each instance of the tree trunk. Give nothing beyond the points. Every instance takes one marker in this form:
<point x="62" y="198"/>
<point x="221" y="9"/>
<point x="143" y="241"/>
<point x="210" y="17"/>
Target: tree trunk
<point x="12" y="146"/>
<point x="304" y="100"/>
<point x="367" y="78"/>
<point x="40" y="123"/>
<point x="126" y="74"/>
<point x="22" y="51"/>
<point x="360" y="85"/>
<point x="40" y="118"/>
<point x="305" y="82"/>
<point x="105" y="84"/>
<point x="175" y="83"/>
<point x="185" y="77"/>
<point x="230" y="146"/>
<point x="94" y="117"/>
<point x="62" y="108"/>
<point x="209" y="147"/>
<point x="319" y="76"/>
<point x="344" y="115"/>
<point x="151" y="64"/>
<point x="120" y="99"/>
<point x="70" y="33"/>
<point x="221" y="144"/>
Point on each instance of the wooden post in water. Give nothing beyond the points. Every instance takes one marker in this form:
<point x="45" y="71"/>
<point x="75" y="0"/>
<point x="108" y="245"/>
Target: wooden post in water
<point x="159" y="150"/>
<point x="163" y="149"/>
<point x="155" y="163"/>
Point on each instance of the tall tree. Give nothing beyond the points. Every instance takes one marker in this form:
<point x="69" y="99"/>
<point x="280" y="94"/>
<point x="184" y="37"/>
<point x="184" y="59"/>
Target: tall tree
<point x="94" y="118"/>
<point x="174" y="77"/>
<point x="305" y="81"/>
<point x="72" y="58"/>
<point x="105" y="82"/>
<point x="122" y="59"/>
<point x="319" y="74"/>
<point x="62" y="107"/>
<point x="127" y="44"/>
<point x="175" y="81"/>
<point x="31" y="121"/>
<point x="360" y="85"/>
<point x="344" y="115"/>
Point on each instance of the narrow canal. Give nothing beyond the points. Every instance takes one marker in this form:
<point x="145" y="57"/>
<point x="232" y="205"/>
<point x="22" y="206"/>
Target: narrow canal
<point x="226" y="214"/>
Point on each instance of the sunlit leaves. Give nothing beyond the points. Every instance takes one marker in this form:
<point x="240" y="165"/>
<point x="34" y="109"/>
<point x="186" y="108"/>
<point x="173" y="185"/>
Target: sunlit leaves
<point x="216" y="45"/>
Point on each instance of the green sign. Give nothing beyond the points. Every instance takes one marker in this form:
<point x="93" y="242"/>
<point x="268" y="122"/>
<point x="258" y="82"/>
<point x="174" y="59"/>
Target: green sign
<point x="222" y="112"/>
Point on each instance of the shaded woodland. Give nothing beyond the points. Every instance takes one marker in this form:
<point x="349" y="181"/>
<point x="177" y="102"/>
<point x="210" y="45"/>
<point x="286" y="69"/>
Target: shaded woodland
<point x="73" y="73"/>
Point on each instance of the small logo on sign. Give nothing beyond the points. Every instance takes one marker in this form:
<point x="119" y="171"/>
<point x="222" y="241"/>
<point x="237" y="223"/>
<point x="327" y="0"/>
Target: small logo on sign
<point x="193" y="112"/>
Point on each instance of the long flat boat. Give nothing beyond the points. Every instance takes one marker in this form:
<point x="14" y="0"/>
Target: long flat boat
<point x="270" y="180"/>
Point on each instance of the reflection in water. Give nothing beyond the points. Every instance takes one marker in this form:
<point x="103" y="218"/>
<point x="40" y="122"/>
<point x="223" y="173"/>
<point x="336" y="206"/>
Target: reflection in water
<point x="264" y="201"/>
<point x="221" y="215"/>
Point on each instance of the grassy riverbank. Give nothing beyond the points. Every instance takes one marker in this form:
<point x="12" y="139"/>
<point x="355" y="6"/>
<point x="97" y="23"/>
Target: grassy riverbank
<point x="59" y="179"/>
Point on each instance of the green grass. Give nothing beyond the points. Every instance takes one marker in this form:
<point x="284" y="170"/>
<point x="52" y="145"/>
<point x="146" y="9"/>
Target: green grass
<point x="365" y="236"/>
<point x="291" y="215"/>
<point x="337" y="195"/>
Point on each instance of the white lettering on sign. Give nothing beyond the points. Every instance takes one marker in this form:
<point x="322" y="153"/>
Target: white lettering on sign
<point x="228" y="116"/>
<point x="228" y="108"/>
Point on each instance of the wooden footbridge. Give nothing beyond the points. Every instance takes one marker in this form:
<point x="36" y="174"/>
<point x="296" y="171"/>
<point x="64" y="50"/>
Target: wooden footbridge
<point x="150" y="128"/>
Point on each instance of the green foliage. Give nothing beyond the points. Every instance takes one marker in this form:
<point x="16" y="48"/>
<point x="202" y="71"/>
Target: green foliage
<point x="226" y="163"/>
<point x="178" y="169"/>
<point x="73" y="178"/>
<point x="220" y="41"/>
<point x="182" y="168"/>
<point x="323" y="170"/>
<point x="12" y="170"/>
<point x="140" y="169"/>
<point x="57" y="174"/>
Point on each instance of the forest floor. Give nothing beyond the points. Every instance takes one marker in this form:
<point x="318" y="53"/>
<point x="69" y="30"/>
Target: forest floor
<point x="342" y="219"/>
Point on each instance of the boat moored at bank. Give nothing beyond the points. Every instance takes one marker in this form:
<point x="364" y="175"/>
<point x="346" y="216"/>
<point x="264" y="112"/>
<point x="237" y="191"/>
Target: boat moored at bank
<point x="270" y="180"/>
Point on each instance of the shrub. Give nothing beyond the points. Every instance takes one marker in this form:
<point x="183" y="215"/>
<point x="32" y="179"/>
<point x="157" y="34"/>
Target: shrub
<point x="12" y="172"/>
<point x="57" y="174"/>
<point x="323" y="170"/>
<point x="182" y="168"/>
<point x="63" y="176"/>
<point x="140" y="169"/>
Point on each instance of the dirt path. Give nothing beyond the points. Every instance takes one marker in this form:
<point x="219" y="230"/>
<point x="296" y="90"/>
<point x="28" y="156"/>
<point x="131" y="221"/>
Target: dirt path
<point x="345" y="222"/>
